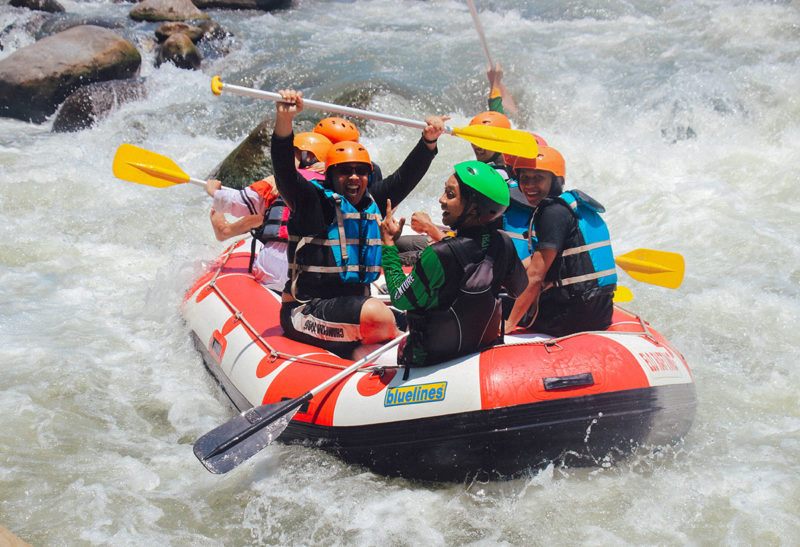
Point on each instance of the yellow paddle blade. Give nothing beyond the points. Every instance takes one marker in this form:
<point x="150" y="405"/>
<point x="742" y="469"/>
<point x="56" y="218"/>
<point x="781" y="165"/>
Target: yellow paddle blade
<point x="660" y="268"/>
<point x="500" y="139"/>
<point x="622" y="294"/>
<point x="142" y="166"/>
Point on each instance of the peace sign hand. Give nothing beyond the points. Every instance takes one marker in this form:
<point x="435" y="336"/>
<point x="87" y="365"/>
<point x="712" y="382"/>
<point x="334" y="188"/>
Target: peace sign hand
<point x="390" y="227"/>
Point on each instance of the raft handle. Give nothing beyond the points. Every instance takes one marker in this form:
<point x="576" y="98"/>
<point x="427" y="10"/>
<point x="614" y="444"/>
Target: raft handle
<point x="562" y="382"/>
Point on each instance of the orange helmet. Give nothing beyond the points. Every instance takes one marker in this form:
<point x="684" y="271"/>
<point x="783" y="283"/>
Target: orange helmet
<point x="347" y="152"/>
<point x="315" y="143"/>
<point x="549" y="159"/>
<point x="337" y="129"/>
<point x="492" y="118"/>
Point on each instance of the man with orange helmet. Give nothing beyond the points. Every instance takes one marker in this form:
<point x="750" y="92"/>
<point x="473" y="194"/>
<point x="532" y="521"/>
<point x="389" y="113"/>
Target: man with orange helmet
<point x="263" y="213"/>
<point x="334" y="248"/>
<point x="571" y="271"/>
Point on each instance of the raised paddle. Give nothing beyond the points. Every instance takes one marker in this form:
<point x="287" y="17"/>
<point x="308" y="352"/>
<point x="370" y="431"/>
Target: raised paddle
<point x="508" y="100"/>
<point x="142" y="166"/>
<point x="497" y="139"/>
<point x="661" y="268"/>
<point x="228" y="445"/>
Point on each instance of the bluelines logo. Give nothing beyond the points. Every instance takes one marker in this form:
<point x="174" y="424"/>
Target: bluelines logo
<point x="408" y="395"/>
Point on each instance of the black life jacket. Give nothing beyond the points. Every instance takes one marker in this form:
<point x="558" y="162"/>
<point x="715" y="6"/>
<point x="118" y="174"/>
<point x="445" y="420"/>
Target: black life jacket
<point x="472" y="321"/>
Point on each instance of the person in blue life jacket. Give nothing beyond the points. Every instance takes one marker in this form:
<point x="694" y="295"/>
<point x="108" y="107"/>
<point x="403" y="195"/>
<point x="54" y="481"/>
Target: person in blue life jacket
<point x="571" y="270"/>
<point x="334" y="249"/>
<point x="452" y="293"/>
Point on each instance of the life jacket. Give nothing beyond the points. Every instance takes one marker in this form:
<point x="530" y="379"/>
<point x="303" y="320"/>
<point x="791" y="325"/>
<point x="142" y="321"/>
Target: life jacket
<point x="348" y="252"/>
<point x="586" y="265"/>
<point x="471" y="322"/>
<point x="273" y="227"/>
<point x="516" y="221"/>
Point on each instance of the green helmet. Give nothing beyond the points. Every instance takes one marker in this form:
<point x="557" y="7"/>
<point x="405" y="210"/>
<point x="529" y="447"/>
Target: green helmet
<point x="490" y="191"/>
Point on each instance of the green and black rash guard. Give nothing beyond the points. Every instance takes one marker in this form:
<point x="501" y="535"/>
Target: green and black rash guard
<point x="435" y="285"/>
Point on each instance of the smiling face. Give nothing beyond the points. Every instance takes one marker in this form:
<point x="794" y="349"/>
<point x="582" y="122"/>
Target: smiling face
<point x="451" y="203"/>
<point x="350" y="180"/>
<point x="535" y="184"/>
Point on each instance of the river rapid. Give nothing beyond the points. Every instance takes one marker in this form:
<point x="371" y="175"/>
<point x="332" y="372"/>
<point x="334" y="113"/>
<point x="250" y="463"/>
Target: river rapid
<point x="681" y="117"/>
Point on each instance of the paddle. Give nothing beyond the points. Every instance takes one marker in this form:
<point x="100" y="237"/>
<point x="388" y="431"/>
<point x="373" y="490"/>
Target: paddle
<point x="498" y="139"/>
<point x="622" y="294"/>
<point x="142" y="166"/>
<point x="661" y="268"/>
<point x="508" y="100"/>
<point x="228" y="445"/>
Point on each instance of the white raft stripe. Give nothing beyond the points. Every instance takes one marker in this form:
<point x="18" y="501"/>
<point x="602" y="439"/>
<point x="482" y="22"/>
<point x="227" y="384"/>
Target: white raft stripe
<point x="463" y="394"/>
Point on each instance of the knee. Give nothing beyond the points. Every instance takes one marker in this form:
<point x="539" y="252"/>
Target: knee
<point x="377" y="322"/>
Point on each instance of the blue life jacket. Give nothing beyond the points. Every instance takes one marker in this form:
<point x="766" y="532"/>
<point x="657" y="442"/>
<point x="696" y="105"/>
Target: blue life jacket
<point x="349" y="251"/>
<point x="586" y="264"/>
<point x="516" y="221"/>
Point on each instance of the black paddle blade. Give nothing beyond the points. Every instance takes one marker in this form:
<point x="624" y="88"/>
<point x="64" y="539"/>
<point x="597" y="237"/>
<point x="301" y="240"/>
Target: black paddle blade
<point x="233" y="442"/>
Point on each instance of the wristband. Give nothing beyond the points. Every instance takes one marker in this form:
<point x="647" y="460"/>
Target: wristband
<point x="428" y="141"/>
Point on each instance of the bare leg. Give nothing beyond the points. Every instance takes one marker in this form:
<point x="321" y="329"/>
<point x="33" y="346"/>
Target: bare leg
<point x="377" y="322"/>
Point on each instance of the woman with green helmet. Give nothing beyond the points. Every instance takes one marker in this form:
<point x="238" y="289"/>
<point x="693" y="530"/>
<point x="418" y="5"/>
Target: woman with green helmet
<point x="451" y="295"/>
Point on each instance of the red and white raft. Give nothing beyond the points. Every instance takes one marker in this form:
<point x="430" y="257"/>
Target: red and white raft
<point x="577" y="399"/>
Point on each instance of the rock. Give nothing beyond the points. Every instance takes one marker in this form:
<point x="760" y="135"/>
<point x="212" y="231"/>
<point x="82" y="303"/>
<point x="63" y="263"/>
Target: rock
<point x="68" y="21"/>
<point x="94" y="102"/>
<point x="263" y="5"/>
<point x="179" y="50"/>
<point x="36" y="79"/>
<point x="51" y="6"/>
<point x="166" y="10"/>
<point x="173" y="27"/>
<point x="250" y="161"/>
<point x="213" y="31"/>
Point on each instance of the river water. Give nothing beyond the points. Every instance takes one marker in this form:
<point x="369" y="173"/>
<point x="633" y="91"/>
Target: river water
<point x="681" y="117"/>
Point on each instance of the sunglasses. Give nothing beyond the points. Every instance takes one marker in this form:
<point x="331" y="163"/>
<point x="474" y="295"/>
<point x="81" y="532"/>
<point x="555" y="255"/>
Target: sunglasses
<point x="307" y="158"/>
<point x="350" y="170"/>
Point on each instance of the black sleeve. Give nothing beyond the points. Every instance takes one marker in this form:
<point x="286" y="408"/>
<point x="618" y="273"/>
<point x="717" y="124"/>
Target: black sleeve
<point x="399" y="184"/>
<point x="516" y="279"/>
<point x="298" y="193"/>
<point x="553" y="225"/>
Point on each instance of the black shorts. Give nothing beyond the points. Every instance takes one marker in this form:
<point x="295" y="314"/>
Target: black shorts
<point x="330" y="323"/>
<point x="559" y="317"/>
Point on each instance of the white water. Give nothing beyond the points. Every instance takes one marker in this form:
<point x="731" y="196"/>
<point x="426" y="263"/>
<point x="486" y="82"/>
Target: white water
<point x="103" y="394"/>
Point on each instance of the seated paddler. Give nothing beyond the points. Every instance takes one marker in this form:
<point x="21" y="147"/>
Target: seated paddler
<point x="452" y="293"/>
<point x="571" y="270"/>
<point x="334" y="249"/>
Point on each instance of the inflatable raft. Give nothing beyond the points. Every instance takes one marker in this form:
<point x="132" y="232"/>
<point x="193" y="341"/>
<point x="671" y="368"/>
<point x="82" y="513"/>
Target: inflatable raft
<point x="520" y="405"/>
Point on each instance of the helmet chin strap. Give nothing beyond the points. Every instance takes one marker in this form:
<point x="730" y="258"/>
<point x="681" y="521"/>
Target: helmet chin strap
<point x="459" y="222"/>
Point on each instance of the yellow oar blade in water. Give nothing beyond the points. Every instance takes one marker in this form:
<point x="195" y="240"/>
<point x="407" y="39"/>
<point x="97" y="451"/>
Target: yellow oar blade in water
<point x="142" y="166"/>
<point x="622" y="294"/>
<point x="661" y="268"/>
<point x="500" y="139"/>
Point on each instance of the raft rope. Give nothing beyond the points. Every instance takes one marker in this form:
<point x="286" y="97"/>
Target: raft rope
<point x="275" y="354"/>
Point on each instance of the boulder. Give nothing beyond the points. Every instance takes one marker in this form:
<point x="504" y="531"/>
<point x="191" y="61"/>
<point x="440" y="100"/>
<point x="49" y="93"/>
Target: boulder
<point x="179" y="50"/>
<point x="173" y="27"/>
<point x="51" y="6"/>
<point x="34" y="80"/>
<point x="166" y="10"/>
<point x="212" y="30"/>
<point x="69" y="20"/>
<point x="263" y="5"/>
<point x="94" y="102"/>
<point x="250" y="161"/>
